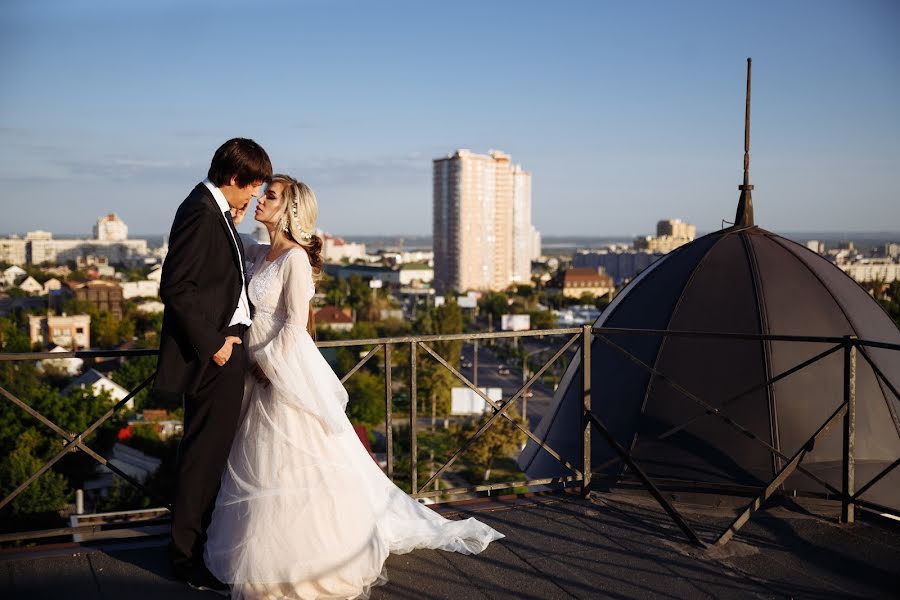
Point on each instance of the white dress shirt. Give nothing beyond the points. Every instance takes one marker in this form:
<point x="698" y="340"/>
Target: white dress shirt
<point x="242" y="312"/>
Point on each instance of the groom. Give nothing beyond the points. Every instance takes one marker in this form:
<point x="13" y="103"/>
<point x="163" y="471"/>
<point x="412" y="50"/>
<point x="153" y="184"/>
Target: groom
<point x="201" y="356"/>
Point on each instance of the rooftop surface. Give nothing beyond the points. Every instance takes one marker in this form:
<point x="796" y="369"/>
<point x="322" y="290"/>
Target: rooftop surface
<point x="557" y="546"/>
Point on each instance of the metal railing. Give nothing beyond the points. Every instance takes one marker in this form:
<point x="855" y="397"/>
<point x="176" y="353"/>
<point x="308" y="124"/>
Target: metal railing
<point x="579" y="474"/>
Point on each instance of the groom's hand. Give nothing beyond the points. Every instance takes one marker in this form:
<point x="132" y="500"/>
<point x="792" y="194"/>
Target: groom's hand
<point x="224" y="354"/>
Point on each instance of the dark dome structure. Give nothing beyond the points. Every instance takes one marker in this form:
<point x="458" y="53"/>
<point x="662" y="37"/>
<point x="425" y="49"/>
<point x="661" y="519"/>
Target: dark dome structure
<point x="739" y="280"/>
<point x="744" y="280"/>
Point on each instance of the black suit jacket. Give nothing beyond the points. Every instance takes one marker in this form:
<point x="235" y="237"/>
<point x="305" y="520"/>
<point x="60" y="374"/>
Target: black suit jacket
<point x="200" y="288"/>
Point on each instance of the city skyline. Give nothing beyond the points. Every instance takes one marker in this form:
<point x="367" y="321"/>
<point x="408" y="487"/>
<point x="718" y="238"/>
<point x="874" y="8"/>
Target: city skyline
<point x="625" y="113"/>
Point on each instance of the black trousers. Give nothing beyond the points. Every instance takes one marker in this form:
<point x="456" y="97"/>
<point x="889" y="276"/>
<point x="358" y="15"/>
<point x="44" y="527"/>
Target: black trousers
<point x="210" y="422"/>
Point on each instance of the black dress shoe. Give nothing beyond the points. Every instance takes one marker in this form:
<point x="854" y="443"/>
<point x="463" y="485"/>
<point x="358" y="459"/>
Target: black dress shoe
<point x="199" y="578"/>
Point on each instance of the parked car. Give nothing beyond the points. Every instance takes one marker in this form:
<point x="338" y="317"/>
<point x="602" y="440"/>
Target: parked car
<point x="465" y="364"/>
<point x="503" y="370"/>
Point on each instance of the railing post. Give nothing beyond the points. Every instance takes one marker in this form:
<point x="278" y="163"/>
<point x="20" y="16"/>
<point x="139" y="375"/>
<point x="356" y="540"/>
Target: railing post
<point x="585" y="420"/>
<point x="413" y="449"/>
<point x="849" y="463"/>
<point x="475" y="364"/>
<point x="388" y="414"/>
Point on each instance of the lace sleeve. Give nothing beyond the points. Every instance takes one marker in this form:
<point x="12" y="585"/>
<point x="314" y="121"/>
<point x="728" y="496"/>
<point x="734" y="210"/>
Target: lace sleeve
<point x="298" y="288"/>
<point x="291" y="360"/>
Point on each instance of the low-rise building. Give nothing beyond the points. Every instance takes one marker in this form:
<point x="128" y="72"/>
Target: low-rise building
<point x="402" y="257"/>
<point x="620" y="264"/>
<point x="332" y="317"/>
<point x="104" y="295"/>
<point x="415" y="273"/>
<point x="335" y="249"/>
<point x="140" y="289"/>
<point x="387" y="275"/>
<point x="29" y="285"/>
<point x="60" y="271"/>
<point x="52" y="285"/>
<point x="12" y="274"/>
<point x="68" y="331"/>
<point x="578" y="281"/>
<point x="61" y="366"/>
<point x="133" y="462"/>
<point x="574" y="316"/>
<point x="151" y="306"/>
<point x="97" y="383"/>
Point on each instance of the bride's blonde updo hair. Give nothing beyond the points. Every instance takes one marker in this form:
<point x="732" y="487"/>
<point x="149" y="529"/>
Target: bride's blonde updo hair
<point x="298" y="221"/>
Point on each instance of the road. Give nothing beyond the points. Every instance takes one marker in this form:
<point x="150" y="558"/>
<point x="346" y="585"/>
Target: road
<point x="488" y="364"/>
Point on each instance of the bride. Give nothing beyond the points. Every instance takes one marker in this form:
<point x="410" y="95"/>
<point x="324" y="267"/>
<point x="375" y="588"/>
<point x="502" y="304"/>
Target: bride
<point x="303" y="511"/>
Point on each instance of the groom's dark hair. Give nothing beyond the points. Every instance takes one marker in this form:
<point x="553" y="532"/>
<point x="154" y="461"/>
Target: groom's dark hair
<point x="241" y="158"/>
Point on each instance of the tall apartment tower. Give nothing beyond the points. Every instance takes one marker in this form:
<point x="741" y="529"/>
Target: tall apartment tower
<point x="483" y="238"/>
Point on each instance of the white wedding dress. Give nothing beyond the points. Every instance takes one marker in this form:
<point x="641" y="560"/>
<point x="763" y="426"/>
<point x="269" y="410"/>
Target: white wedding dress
<point x="303" y="510"/>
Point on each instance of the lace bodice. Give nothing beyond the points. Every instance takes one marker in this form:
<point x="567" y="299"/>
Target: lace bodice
<point x="282" y="288"/>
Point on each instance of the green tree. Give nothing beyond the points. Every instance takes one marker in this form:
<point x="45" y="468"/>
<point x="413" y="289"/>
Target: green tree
<point x="494" y="304"/>
<point x="105" y="330"/>
<point x="434" y="380"/>
<point x="25" y="444"/>
<point x="359" y="292"/>
<point x="366" y="403"/>
<point x="48" y="493"/>
<point x="500" y="440"/>
<point x="132" y="373"/>
<point x="542" y="319"/>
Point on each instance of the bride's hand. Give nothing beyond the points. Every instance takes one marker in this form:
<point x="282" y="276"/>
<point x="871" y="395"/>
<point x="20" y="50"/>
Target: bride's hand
<point x="259" y="375"/>
<point x="237" y="214"/>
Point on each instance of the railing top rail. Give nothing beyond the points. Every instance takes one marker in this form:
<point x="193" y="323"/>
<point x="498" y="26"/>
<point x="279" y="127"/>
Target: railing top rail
<point x="771" y="337"/>
<point x="7" y="356"/>
<point x="450" y="337"/>
<point x="488" y="336"/>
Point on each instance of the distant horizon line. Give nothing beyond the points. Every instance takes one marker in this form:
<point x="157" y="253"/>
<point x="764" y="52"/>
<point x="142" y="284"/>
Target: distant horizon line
<point x="833" y="232"/>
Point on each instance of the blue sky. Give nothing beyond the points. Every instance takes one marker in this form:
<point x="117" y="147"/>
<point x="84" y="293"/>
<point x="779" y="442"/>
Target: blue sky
<point x="625" y="113"/>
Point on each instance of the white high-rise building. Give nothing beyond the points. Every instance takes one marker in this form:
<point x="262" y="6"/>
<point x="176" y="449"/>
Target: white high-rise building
<point x="523" y="232"/>
<point x="110" y="229"/>
<point x="482" y="233"/>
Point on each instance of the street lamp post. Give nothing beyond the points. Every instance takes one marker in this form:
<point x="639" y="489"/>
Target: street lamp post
<point x="525" y="378"/>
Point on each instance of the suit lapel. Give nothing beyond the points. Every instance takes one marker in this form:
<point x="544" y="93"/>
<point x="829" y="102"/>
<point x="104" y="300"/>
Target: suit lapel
<point x="211" y="202"/>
